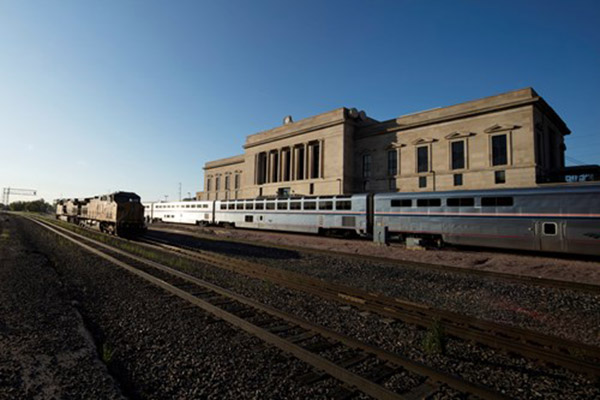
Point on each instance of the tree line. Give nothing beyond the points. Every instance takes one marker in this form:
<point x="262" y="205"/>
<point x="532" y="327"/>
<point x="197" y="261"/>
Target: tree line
<point x="31" y="206"/>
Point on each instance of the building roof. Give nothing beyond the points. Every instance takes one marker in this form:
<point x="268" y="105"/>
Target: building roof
<point x="512" y="99"/>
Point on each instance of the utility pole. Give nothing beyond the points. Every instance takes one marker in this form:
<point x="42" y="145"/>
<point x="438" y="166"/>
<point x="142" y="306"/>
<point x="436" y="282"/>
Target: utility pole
<point x="179" y="191"/>
<point x="6" y="192"/>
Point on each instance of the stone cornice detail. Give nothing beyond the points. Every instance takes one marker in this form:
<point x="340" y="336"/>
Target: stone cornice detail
<point x="295" y="133"/>
<point x="501" y="128"/>
<point x="424" y="141"/>
<point x="459" y="134"/>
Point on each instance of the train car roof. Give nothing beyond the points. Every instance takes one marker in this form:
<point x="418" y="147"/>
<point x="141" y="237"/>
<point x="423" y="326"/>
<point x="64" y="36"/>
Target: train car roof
<point x="541" y="190"/>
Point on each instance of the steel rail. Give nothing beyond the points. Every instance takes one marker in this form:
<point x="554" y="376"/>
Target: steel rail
<point x="349" y="378"/>
<point x="499" y="276"/>
<point x="533" y="345"/>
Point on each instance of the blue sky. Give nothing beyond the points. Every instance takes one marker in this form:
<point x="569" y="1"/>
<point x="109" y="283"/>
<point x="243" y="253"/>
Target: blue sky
<point x="138" y="95"/>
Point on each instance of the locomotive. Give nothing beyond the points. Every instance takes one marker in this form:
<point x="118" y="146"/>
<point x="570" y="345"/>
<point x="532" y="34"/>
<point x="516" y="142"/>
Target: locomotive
<point x="553" y="219"/>
<point x="119" y="213"/>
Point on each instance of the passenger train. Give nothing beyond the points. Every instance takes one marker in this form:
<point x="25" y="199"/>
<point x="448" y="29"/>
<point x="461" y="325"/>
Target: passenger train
<point x="555" y="219"/>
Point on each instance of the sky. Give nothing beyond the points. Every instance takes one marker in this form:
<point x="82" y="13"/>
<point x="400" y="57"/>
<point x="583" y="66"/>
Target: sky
<point x="138" y="95"/>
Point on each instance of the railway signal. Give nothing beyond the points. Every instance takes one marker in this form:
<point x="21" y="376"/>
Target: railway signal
<point x="6" y="192"/>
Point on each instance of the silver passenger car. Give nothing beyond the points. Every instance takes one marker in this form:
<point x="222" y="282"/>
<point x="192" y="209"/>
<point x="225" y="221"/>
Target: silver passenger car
<point x="302" y="214"/>
<point x="183" y="212"/>
<point x="555" y="219"/>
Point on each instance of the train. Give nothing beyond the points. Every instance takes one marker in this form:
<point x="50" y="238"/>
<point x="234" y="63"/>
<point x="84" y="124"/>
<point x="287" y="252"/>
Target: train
<point x="118" y="213"/>
<point x="563" y="219"/>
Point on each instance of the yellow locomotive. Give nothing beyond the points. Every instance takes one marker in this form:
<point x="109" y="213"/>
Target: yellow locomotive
<point x="119" y="213"/>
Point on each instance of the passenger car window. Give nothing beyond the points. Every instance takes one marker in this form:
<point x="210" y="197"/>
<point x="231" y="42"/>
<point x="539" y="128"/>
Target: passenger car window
<point x="310" y="205"/>
<point x="550" y="228"/>
<point x="343" y="205"/>
<point x="401" y="203"/>
<point x="270" y="206"/>
<point x="429" y="202"/>
<point x="282" y="205"/>
<point x="326" y="205"/>
<point x="460" y="202"/>
<point x="496" y="201"/>
<point x="295" y="205"/>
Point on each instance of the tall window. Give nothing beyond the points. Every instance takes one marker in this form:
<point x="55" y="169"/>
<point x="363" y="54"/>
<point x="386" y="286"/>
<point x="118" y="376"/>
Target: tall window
<point x="237" y="181"/>
<point x="422" y="159"/>
<point x="287" y="165"/>
<point x="458" y="155"/>
<point x="300" y="164"/>
<point x="499" y="150"/>
<point x="274" y="166"/>
<point x="315" y="161"/>
<point x="217" y="183"/>
<point x="392" y="162"/>
<point x="262" y="168"/>
<point x="366" y="166"/>
<point x="227" y="182"/>
<point x="208" y="184"/>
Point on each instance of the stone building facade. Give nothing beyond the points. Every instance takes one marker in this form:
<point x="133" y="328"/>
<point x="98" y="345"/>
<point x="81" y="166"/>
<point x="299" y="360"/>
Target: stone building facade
<point x="509" y="140"/>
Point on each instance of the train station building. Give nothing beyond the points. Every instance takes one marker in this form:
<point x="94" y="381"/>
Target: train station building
<point x="510" y="140"/>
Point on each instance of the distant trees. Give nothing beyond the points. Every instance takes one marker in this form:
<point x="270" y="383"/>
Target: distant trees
<point x="31" y="206"/>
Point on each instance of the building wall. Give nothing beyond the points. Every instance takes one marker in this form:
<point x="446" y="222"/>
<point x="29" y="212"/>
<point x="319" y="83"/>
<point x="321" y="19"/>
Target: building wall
<point x="220" y="179"/>
<point x="534" y="148"/>
<point x="475" y="132"/>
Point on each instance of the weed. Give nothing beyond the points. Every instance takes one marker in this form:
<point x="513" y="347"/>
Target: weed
<point x="435" y="339"/>
<point x="107" y="353"/>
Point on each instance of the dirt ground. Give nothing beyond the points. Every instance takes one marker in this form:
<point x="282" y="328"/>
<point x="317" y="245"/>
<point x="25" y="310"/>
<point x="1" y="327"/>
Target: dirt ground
<point x="552" y="266"/>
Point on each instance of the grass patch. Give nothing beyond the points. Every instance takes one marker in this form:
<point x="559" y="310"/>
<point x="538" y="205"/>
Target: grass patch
<point x="133" y="248"/>
<point x="108" y="353"/>
<point x="435" y="339"/>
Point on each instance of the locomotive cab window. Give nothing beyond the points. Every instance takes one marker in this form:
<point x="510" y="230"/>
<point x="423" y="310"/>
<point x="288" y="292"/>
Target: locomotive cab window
<point x="549" y="228"/>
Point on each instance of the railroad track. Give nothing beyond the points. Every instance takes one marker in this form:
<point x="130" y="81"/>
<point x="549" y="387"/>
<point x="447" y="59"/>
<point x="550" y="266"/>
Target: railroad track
<point x="499" y="276"/>
<point x="306" y="341"/>
<point x="549" y="349"/>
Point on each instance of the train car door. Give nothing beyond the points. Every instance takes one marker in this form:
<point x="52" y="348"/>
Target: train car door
<point x="551" y="235"/>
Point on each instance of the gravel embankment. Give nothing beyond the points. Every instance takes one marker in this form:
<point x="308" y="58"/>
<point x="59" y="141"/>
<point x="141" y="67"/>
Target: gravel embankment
<point x="565" y="313"/>
<point x="163" y="348"/>
<point x="46" y="351"/>
<point x="515" y="376"/>
<point x="585" y="269"/>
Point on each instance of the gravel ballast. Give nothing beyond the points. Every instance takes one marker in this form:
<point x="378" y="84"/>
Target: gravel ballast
<point x="559" y="312"/>
<point x="514" y="376"/>
<point x="160" y="346"/>
<point x="46" y="350"/>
